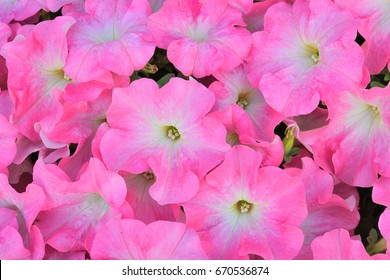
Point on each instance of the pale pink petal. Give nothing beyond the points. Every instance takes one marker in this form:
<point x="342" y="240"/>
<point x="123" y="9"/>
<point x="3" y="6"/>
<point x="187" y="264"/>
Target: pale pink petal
<point x="254" y="18"/>
<point x="8" y="218"/>
<point x="131" y="239"/>
<point x="53" y="254"/>
<point x="6" y="103"/>
<point x="338" y="245"/>
<point x="193" y="58"/>
<point x="146" y="209"/>
<point x="80" y="120"/>
<point x="381" y="191"/>
<point x="243" y="5"/>
<point x="97" y="179"/>
<point x="11" y="245"/>
<point x="384" y="225"/>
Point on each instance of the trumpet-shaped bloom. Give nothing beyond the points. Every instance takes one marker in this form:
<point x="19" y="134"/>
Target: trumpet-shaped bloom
<point x="76" y="210"/>
<point x="113" y="31"/>
<point x="240" y="132"/>
<point x="355" y="144"/>
<point x="133" y="240"/>
<point x="164" y="130"/>
<point x="201" y="36"/>
<point x="305" y="53"/>
<point x="233" y="87"/>
<point x="374" y="17"/>
<point x="242" y="209"/>
<point x="36" y="79"/>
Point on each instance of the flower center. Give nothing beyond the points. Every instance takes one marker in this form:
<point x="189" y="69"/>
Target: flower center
<point x="243" y="206"/>
<point x="148" y="175"/>
<point x="232" y="139"/>
<point x="242" y="102"/>
<point x="313" y="52"/>
<point x="198" y="32"/>
<point x="66" y="77"/>
<point x="375" y="110"/>
<point x="173" y="133"/>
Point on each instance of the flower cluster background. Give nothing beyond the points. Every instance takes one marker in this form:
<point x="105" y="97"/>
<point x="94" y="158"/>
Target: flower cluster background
<point x="194" y="129"/>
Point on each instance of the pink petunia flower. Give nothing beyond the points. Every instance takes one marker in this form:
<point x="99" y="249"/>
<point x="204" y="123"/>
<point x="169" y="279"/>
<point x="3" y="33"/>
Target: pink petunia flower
<point x="240" y="131"/>
<point x="133" y="240"/>
<point x="35" y="59"/>
<point x="233" y="87"/>
<point x="305" y="53"/>
<point x="76" y="210"/>
<point x="374" y="26"/>
<point x="164" y="130"/>
<point x="354" y="146"/>
<point x="113" y="31"/>
<point x="241" y="209"/>
<point x="201" y="36"/>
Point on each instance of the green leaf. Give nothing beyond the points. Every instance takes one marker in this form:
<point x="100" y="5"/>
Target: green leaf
<point x="134" y="77"/>
<point x="376" y="84"/>
<point x="165" y="79"/>
<point x="387" y="77"/>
